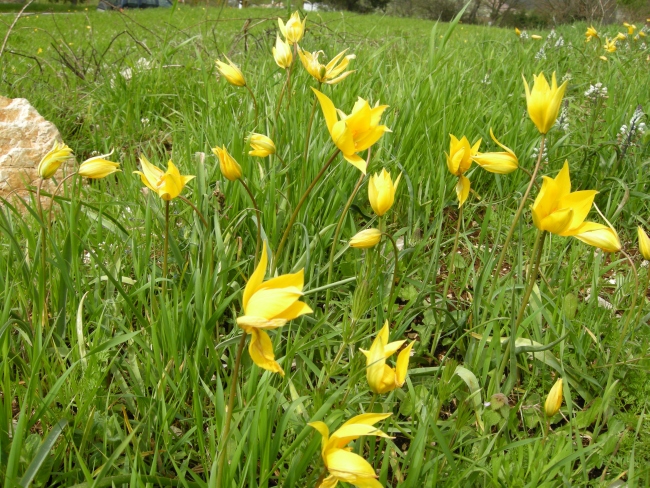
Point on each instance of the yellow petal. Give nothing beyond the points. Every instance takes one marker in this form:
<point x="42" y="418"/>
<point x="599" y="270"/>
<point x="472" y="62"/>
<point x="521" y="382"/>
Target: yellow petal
<point x="554" y="399"/>
<point x="347" y="466"/>
<point x="401" y="368"/>
<point x="497" y="162"/>
<point x="367" y="418"/>
<point x="270" y="303"/>
<point x="256" y="278"/>
<point x="366" y="239"/>
<point x="356" y="161"/>
<point x="249" y="322"/>
<point x="261" y="351"/>
<point x="598" y="235"/>
<point x="329" y="111"/>
<point x="462" y="189"/>
<point x="644" y="243"/>
<point x="343" y="138"/>
<point x="580" y="202"/>
<point x="557" y="222"/>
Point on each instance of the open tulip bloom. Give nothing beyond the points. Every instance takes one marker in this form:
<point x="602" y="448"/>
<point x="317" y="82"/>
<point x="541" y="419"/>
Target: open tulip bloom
<point x="355" y="132"/>
<point x="559" y="211"/>
<point x="591" y="33"/>
<point x="294" y="29"/>
<point x="381" y="377"/>
<point x="332" y="72"/>
<point x="342" y="464"/>
<point x="459" y="160"/>
<point x="544" y="101"/>
<point x="269" y="305"/>
<point x="167" y="185"/>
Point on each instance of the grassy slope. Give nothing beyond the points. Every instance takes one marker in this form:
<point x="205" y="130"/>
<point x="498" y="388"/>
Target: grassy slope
<point x="167" y="381"/>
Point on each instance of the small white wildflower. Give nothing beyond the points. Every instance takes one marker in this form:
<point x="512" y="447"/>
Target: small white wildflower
<point x="524" y="35"/>
<point x="559" y="42"/>
<point x="486" y="79"/>
<point x="144" y="121"/>
<point x="596" y="91"/>
<point x="551" y="35"/>
<point x="541" y="54"/>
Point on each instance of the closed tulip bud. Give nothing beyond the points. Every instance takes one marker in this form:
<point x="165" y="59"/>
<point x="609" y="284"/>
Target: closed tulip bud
<point x="227" y="164"/>
<point x="381" y="191"/>
<point x="620" y="36"/>
<point x="98" y="167"/>
<point x="536" y="37"/>
<point x="294" y="29"/>
<point x="598" y="235"/>
<point x="518" y="32"/>
<point x="366" y="239"/>
<point x="282" y="53"/>
<point x="53" y="160"/>
<point x="544" y="101"/>
<point x="554" y="399"/>
<point x="261" y="145"/>
<point x="644" y="244"/>
<point x="231" y="73"/>
<point x="497" y="162"/>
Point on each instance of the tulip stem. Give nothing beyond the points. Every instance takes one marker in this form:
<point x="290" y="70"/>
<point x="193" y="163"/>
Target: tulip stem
<point x="336" y="235"/>
<point x="321" y="477"/>
<point x="294" y="215"/>
<point x="510" y="352"/>
<point x="42" y="284"/>
<point x="308" y="138"/>
<point x="254" y="104"/>
<point x="231" y="406"/>
<point x="258" y="218"/>
<point x="511" y="231"/>
<point x="186" y="200"/>
<point x="165" y="249"/>
<point x="453" y="253"/>
<point x="392" y="285"/>
<point x="56" y="192"/>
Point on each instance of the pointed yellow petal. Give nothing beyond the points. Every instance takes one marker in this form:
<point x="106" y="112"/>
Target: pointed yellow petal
<point x="270" y="303"/>
<point x="256" y="278"/>
<point x="644" y="243"/>
<point x="401" y="368"/>
<point x="329" y="111"/>
<point x="598" y="235"/>
<point x="462" y="189"/>
<point x="261" y="352"/>
<point x="580" y="202"/>
<point x="356" y="161"/>
<point x="557" y="222"/>
<point x="347" y="466"/>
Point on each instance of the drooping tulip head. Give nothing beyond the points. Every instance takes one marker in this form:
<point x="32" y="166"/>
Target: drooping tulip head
<point x="231" y="73"/>
<point x="355" y="132"/>
<point x="329" y="74"/>
<point x="227" y="164"/>
<point x="98" y="167"/>
<point x="167" y="185"/>
<point x="261" y="145"/>
<point x="544" y="101"/>
<point x="366" y="239"/>
<point x="52" y="161"/>
<point x="497" y="162"/>
<point x="381" y="191"/>
<point x="294" y="29"/>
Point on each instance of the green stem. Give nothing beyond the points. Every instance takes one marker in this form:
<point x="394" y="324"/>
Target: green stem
<point x="277" y="109"/>
<point x="644" y="290"/>
<point x="258" y="218"/>
<point x="294" y="215"/>
<point x="308" y="138"/>
<point x="165" y="248"/>
<point x="321" y="477"/>
<point x="510" y="352"/>
<point x="43" y="281"/>
<point x="254" y="104"/>
<point x="205" y="222"/>
<point x="511" y="231"/>
<point x="453" y="254"/>
<point x="392" y="285"/>
<point x="336" y="235"/>
<point x="231" y="406"/>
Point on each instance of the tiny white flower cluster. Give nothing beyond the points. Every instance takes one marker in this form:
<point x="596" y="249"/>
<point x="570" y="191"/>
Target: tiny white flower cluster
<point x="567" y="77"/>
<point x="636" y="128"/>
<point x="486" y="79"/>
<point x="596" y="91"/>
<point x="563" y="120"/>
<point x="560" y="42"/>
<point x="551" y="35"/>
<point x="541" y="54"/>
<point x="523" y="35"/>
<point x="535" y="153"/>
<point x="144" y="121"/>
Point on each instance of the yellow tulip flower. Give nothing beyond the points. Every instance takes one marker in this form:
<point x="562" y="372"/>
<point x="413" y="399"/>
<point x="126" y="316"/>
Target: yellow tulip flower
<point x="294" y="28"/>
<point x="261" y="145"/>
<point x="355" y="132"/>
<point x="561" y="212"/>
<point x="381" y="191"/>
<point x="231" y="72"/>
<point x="381" y="377"/>
<point x="282" y="53"/>
<point x="518" y="32"/>
<point x="332" y="72"/>
<point x="544" y="101"/>
<point x="536" y="37"/>
<point x="227" y="164"/>
<point x="167" y="185"/>
<point x="98" y="167"/>
<point x="610" y="45"/>
<point x="366" y="239"/>
<point x="342" y="464"/>
<point x="591" y="33"/>
<point x="644" y="243"/>
<point x="53" y="160"/>
<point x="500" y="163"/>
<point x="269" y="305"/>
<point x="620" y="36"/>
<point x="554" y="399"/>
<point x="630" y="28"/>
<point x="459" y="161"/>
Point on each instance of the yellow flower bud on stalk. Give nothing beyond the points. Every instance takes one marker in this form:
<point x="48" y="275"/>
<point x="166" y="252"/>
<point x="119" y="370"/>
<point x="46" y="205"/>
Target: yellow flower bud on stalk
<point x="497" y="162"/>
<point x="591" y="34"/>
<point x="366" y="239"/>
<point x="644" y="243"/>
<point x="381" y="191"/>
<point x="544" y="101"/>
<point x="261" y="145"/>
<point x="554" y="399"/>
<point x="53" y="160"/>
<point x="231" y="72"/>
<point x="98" y="167"/>
<point x="282" y="53"/>
<point x="294" y="29"/>
<point x="227" y="164"/>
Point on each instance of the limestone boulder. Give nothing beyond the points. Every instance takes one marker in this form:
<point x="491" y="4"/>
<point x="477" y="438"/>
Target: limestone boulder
<point x="25" y="137"/>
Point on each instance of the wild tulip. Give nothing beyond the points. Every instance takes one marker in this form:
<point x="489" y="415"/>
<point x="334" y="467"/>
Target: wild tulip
<point x="536" y="37"/>
<point x="355" y="132"/>
<point x="630" y="28"/>
<point x="591" y="34"/>
<point x="98" y="167"/>
<point x="294" y="29"/>
<point x="167" y="185"/>
<point x="331" y="73"/>
<point x="497" y="162"/>
<point x="231" y="72"/>
<point x="554" y="399"/>
<point x="381" y="377"/>
<point x="261" y="145"/>
<point x="52" y="161"/>
<point x="366" y="239"/>
<point x="459" y="160"/>
<point x="544" y="101"/>
<point x="282" y="53"/>
<point x="381" y="191"/>
<point x="644" y="243"/>
<point x="620" y="37"/>
<point x="518" y="32"/>
<point x="342" y="464"/>
<point x="227" y="164"/>
<point x="268" y="305"/>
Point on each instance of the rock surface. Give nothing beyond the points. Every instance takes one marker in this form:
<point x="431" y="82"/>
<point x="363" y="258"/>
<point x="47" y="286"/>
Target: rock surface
<point x="25" y="137"/>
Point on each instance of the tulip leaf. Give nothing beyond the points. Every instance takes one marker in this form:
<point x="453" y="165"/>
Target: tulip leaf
<point x="80" y="332"/>
<point x="472" y="383"/>
<point x="42" y="453"/>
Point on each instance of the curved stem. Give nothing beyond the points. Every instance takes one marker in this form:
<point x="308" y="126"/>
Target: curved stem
<point x="453" y="253"/>
<point x="308" y="137"/>
<point x="231" y="406"/>
<point x="336" y="235"/>
<point x="277" y="109"/>
<point x="258" y="217"/>
<point x="165" y="248"/>
<point x="254" y="103"/>
<point x="644" y="290"/>
<point x="186" y="200"/>
<point x="510" y="352"/>
<point x="294" y="215"/>
<point x="511" y="231"/>
<point x="392" y="285"/>
<point x="56" y="191"/>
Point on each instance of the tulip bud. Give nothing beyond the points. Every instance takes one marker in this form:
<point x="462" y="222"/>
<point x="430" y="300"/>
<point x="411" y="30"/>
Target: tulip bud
<point x="231" y="73"/>
<point x="53" y="160"/>
<point x="366" y="239"/>
<point x="262" y="145"/>
<point x="98" y="167"/>
<point x="229" y="167"/>
<point x="554" y="399"/>
<point x="644" y="244"/>
<point x="282" y="53"/>
<point x="544" y="101"/>
<point x="381" y="191"/>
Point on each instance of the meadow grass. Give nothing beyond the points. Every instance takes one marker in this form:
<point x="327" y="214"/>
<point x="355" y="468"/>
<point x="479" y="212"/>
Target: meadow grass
<point x="122" y="385"/>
